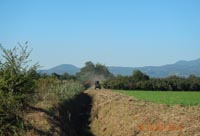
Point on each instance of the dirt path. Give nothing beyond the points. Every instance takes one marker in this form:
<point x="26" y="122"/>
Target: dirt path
<point x="114" y="114"/>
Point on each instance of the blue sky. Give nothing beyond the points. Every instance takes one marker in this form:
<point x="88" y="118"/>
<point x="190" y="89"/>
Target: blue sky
<point x="111" y="32"/>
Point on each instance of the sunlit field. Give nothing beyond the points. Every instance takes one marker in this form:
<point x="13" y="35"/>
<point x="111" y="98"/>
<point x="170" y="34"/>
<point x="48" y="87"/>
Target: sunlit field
<point x="166" y="97"/>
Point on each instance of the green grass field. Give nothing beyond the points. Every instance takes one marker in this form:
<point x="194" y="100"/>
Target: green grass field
<point x="166" y="97"/>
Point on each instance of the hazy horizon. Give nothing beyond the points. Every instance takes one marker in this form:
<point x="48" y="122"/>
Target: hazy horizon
<point x="42" y="68"/>
<point x="114" y="33"/>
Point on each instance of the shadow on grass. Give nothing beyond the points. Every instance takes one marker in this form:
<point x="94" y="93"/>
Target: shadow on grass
<point x="69" y="118"/>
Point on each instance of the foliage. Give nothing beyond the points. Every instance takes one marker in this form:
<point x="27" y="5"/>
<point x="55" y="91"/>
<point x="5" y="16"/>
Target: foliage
<point x="139" y="76"/>
<point x="64" y="76"/>
<point x="10" y="122"/>
<point x="141" y="81"/>
<point x="169" y="97"/>
<point x="17" y="76"/>
<point x="17" y="83"/>
<point x="51" y="90"/>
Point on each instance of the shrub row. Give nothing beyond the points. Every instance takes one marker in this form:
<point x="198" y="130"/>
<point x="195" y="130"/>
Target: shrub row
<point x="173" y="83"/>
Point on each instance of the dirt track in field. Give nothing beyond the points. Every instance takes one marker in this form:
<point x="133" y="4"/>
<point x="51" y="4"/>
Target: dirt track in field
<point x="114" y="114"/>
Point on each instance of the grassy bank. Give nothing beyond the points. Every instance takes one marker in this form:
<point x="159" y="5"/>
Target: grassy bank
<point x="163" y="97"/>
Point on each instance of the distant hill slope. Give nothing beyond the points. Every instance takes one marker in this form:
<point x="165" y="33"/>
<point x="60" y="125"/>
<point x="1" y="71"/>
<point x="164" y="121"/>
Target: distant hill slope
<point x="180" y="68"/>
<point x="64" y="68"/>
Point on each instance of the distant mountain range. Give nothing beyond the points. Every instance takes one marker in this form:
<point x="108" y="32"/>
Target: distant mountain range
<point x="180" y="68"/>
<point x="60" y="69"/>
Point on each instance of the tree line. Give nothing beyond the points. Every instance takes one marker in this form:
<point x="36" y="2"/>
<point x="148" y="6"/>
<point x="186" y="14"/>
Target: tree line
<point x="141" y="81"/>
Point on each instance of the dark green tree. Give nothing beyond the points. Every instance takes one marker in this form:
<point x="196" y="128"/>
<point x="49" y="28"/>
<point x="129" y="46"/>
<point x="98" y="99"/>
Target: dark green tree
<point x="139" y="76"/>
<point x="55" y="75"/>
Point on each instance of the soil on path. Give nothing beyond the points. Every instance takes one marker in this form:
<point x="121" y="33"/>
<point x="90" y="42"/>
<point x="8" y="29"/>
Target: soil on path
<point x="114" y="114"/>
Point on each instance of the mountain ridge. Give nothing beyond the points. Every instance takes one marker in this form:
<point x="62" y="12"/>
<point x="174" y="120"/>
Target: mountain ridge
<point x="62" y="68"/>
<point x="180" y="68"/>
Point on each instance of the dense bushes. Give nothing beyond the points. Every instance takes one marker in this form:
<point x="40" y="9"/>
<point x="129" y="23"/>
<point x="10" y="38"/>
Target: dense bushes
<point x="17" y="85"/>
<point x="10" y="122"/>
<point x="140" y="81"/>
